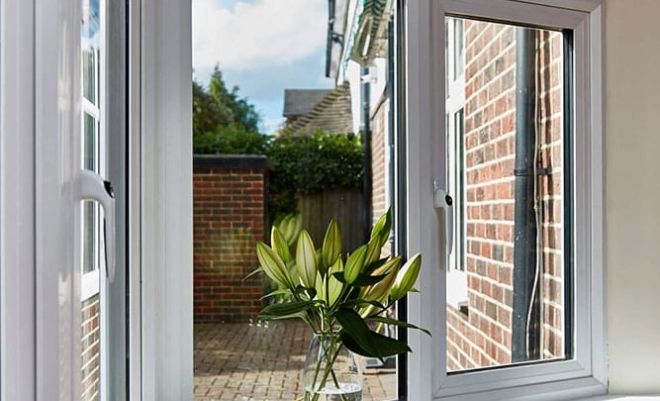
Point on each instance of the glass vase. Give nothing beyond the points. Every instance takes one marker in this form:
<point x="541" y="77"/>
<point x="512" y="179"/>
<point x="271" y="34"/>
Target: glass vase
<point x="331" y="371"/>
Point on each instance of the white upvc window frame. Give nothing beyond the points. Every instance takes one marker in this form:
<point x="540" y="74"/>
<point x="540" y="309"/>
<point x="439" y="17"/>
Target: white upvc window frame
<point x="457" y="288"/>
<point x="585" y="374"/>
<point x="90" y="281"/>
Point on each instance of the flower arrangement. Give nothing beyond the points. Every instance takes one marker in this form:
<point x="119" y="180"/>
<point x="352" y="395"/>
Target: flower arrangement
<point x="337" y="295"/>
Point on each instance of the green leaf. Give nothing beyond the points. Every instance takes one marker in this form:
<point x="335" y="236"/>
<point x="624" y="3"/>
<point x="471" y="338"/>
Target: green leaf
<point x="253" y="272"/>
<point x="365" y="280"/>
<point x="357" y="337"/>
<point x="373" y="266"/>
<point x="285" y="310"/>
<point x="399" y="323"/>
<point x="339" y="276"/>
<point x="276" y="293"/>
<point x="364" y="302"/>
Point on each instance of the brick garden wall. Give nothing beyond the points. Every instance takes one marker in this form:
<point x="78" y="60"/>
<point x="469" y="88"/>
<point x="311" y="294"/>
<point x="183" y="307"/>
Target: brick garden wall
<point x="229" y="213"/>
<point x="482" y="337"/>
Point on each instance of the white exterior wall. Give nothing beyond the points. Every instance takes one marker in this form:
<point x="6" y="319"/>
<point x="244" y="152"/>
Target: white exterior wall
<point x="378" y="81"/>
<point x="632" y="194"/>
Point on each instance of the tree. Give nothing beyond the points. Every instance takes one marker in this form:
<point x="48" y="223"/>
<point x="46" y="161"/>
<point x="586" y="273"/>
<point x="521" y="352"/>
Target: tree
<point x="221" y="107"/>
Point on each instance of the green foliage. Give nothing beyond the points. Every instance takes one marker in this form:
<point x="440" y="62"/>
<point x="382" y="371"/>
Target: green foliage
<point x="240" y="110"/>
<point x="225" y="123"/>
<point x="311" y="163"/>
<point x="218" y="106"/>
<point x="232" y="139"/>
<point x="333" y="299"/>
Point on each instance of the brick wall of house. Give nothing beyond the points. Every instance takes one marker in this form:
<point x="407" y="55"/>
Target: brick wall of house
<point x="90" y="357"/>
<point x="379" y="168"/>
<point x="482" y="337"/>
<point x="229" y="213"/>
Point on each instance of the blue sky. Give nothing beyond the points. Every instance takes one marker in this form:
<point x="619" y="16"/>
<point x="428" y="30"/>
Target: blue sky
<point x="263" y="46"/>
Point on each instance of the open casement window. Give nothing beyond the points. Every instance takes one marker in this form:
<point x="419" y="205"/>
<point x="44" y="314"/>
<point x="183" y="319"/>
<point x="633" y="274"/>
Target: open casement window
<point x="504" y="195"/>
<point x="455" y="155"/>
<point x="93" y="145"/>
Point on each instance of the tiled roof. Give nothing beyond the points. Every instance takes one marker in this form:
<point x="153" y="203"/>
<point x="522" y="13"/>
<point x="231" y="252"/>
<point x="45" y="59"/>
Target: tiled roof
<point x="300" y="101"/>
<point x="331" y="114"/>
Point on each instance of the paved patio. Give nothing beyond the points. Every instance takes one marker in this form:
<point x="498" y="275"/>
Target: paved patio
<point x="250" y="362"/>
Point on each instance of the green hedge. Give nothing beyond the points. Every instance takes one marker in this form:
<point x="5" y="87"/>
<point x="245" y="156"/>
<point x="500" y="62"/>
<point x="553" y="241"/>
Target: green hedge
<point x="233" y="139"/>
<point x="311" y="163"/>
<point x="302" y="164"/>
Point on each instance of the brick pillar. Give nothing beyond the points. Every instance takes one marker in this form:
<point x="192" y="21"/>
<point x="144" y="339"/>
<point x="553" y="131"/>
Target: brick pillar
<point x="229" y="213"/>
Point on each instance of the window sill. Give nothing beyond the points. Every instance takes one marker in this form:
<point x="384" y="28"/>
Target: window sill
<point x="622" y="398"/>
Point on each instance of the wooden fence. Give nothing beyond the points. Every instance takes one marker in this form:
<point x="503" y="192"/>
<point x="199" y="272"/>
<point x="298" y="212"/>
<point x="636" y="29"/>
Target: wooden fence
<point x="345" y="205"/>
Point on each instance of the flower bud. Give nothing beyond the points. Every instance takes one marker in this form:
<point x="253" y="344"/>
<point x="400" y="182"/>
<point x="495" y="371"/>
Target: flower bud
<point x="331" y="244"/>
<point x="373" y="251"/>
<point x="306" y="259"/>
<point x="329" y="288"/>
<point x="272" y="265"/>
<point x="382" y="228"/>
<point x="279" y="244"/>
<point x="381" y="289"/>
<point x="406" y="278"/>
<point x="354" y="264"/>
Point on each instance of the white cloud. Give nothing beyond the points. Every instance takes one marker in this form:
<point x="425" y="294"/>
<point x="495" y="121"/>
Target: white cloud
<point x="271" y="125"/>
<point x="265" y="32"/>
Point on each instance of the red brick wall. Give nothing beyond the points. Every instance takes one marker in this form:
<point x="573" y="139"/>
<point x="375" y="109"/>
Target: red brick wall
<point x="483" y="336"/>
<point x="90" y="358"/>
<point x="229" y="212"/>
<point x="379" y="168"/>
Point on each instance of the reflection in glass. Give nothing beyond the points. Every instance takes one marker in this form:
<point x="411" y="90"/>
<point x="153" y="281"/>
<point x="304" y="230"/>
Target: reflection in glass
<point x="91" y="159"/>
<point x="505" y="169"/>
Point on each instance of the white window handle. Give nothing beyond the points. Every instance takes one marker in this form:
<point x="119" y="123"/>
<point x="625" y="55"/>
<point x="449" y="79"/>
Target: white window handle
<point x="442" y="200"/>
<point x="92" y="186"/>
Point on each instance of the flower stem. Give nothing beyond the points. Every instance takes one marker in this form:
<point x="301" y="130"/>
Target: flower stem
<point x="327" y="370"/>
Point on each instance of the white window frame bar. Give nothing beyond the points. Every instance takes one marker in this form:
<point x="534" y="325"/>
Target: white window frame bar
<point x="166" y="200"/>
<point x="90" y="282"/>
<point x="134" y="212"/>
<point x="457" y="288"/>
<point x="17" y="195"/>
<point x="57" y="165"/>
<point x="585" y="375"/>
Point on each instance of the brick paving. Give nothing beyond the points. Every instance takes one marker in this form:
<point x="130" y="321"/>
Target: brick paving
<point x="250" y="362"/>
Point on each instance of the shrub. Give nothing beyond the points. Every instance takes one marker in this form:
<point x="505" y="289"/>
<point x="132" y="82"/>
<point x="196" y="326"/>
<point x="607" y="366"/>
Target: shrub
<point x="311" y="163"/>
<point x="231" y="139"/>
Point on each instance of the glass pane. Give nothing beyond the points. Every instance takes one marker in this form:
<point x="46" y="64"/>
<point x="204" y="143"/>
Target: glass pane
<point x="90" y="37"/>
<point x="506" y="174"/>
<point x="459" y="48"/>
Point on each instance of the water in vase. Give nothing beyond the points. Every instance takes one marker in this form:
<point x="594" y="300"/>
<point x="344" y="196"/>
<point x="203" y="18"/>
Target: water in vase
<point x="345" y="392"/>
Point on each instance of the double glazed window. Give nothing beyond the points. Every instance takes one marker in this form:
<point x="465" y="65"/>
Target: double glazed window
<point x="517" y="150"/>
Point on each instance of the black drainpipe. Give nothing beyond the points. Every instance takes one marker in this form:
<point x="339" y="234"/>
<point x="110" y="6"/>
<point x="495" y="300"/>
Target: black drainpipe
<point x="331" y="38"/>
<point x="525" y="341"/>
<point x="365" y="97"/>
